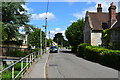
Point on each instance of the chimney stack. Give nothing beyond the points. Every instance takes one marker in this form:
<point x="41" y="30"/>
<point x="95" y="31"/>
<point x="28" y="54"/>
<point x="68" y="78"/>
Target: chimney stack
<point x="112" y="13"/>
<point x="99" y="8"/>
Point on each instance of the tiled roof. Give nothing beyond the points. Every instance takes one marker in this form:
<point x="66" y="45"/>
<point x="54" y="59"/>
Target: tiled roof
<point x="99" y="19"/>
<point x="117" y="25"/>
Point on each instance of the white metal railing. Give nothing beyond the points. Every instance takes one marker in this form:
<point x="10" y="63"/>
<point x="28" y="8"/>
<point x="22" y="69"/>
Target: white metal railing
<point x="29" y="59"/>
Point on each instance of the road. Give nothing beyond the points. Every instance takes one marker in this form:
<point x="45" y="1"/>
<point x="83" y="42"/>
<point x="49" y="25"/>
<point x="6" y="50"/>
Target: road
<point x="66" y="65"/>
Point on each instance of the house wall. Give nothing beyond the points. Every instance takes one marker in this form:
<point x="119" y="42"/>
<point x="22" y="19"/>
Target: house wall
<point x="87" y="33"/>
<point x="96" y="38"/>
<point x="115" y="38"/>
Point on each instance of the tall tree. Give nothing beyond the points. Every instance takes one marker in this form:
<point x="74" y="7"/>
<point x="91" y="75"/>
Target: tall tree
<point x="74" y="33"/>
<point x="58" y="38"/>
<point x="13" y="16"/>
<point x="34" y="38"/>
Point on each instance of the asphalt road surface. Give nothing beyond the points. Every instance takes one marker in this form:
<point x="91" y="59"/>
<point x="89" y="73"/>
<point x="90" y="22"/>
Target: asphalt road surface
<point x="66" y="65"/>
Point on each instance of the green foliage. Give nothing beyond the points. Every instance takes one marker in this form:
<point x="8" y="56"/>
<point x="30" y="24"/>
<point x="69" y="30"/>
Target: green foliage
<point x="16" y="53"/>
<point x="58" y="38"/>
<point x="11" y="13"/>
<point x="4" y="34"/>
<point x="7" y="75"/>
<point x="101" y="55"/>
<point x="81" y="49"/>
<point x="34" y="50"/>
<point x="13" y="16"/>
<point x="19" y="42"/>
<point x="106" y="35"/>
<point x="49" y="42"/>
<point x="74" y="33"/>
<point x="65" y="43"/>
<point x="34" y="38"/>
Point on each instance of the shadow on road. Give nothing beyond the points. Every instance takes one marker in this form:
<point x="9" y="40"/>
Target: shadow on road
<point x="68" y="52"/>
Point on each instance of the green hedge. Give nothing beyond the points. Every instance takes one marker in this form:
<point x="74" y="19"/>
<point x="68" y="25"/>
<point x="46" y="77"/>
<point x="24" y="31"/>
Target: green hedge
<point x="100" y="55"/>
<point x="81" y="49"/>
<point x="19" y="53"/>
<point x="34" y="50"/>
<point x="7" y="75"/>
<point x="16" y="53"/>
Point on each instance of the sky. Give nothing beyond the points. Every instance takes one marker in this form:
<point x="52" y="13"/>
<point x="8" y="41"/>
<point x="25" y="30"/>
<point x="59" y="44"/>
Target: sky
<point x="60" y="14"/>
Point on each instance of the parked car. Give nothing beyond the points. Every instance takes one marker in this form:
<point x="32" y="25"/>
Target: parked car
<point x="53" y="49"/>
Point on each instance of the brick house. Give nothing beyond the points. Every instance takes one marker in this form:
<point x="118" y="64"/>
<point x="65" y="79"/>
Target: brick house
<point x="96" y="22"/>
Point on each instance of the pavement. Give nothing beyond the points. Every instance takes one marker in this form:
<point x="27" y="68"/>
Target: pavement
<point x="66" y="65"/>
<point x="37" y="70"/>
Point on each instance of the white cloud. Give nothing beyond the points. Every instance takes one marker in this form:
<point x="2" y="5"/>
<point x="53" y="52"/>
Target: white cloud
<point x="42" y="16"/>
<point x="72" y="21"/>
<point x="21" y="30"/>
<point x="77" y="15"/>
<point x="57" y="29"/>
<point x="69" y="0"/>
<point x="105" y="6"/>
<point x="25" y="7"/>
<point x="52" y="32"/>
<point x="63" y="32"/>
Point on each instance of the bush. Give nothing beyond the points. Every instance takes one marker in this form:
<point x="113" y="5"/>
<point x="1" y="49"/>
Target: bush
<point x="7" y="75"/>
<point x="81" y="49"/>
<point x="101" y="55"/>
<point x="16" y="53"/>
<point x="34" y="50"/>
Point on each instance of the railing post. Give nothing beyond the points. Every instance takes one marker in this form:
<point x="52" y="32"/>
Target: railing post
<point x="27" y="62"/>
<point x="13" y="71"/>
<point x="21" y="68"/>
<point x="38" y="54"/>
<point x="30" y="59"/>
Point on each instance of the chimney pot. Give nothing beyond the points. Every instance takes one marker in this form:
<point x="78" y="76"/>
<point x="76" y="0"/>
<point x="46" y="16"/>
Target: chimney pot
<point x="112" y="13"/>
<point x="112" y="4"/>
<point x="99" y="8"/>
<point x="99" y="5"/>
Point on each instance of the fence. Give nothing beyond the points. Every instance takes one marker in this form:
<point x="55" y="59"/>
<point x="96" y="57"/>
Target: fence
<point x="15" y="72"/>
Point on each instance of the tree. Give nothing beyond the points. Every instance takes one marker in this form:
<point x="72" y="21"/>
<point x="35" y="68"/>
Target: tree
<point x="13" y="16"/>
<point x="106" y="35"/>
<point x="65" y="43"/>
<point x="49" y="42"/>
<point x="74" y="33"/>
<point x="58" y="38"/>
<point x="34" y="38"/>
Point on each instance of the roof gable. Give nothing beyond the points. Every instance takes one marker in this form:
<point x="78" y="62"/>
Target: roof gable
<point x="99" y="20"/>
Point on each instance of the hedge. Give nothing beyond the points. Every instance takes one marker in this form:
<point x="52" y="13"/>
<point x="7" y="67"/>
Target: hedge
<point x="107" y="57"/>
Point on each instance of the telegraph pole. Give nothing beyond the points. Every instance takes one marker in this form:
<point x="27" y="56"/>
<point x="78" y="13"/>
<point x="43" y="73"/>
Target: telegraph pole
<point x="46" y="26"/>
<point x="45" y="34"/>
<point x="41" y="41"/>
<point x="49" y="34"/>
